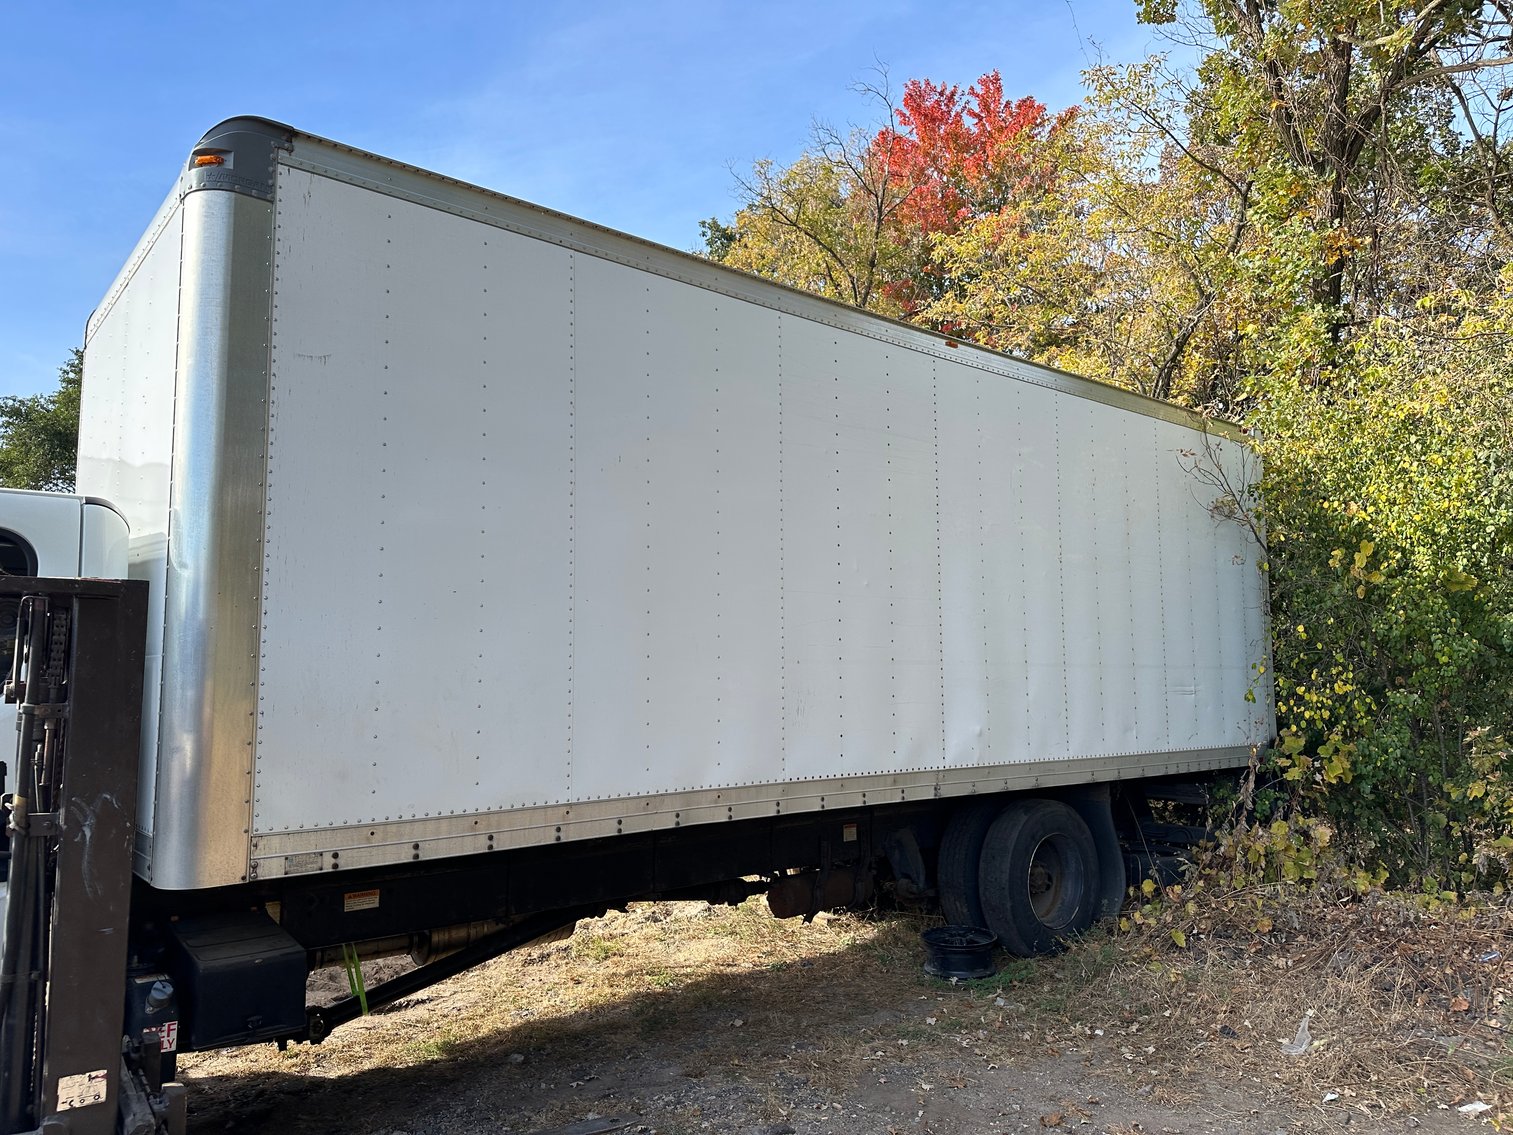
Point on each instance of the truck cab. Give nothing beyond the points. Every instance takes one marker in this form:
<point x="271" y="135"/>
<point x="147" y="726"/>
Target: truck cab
<point x="61" y="535"/>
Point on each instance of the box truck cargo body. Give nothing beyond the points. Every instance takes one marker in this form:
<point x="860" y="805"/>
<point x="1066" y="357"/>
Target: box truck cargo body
<point x="685" y="547"/>
<point x="500" y="567"/>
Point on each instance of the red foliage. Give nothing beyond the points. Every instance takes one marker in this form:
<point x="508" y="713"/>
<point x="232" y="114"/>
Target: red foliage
<point x="960" y="156"/>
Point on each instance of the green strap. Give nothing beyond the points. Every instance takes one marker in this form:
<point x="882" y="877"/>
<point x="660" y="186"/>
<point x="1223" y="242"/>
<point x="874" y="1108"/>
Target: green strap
<point x="354" y="975"/>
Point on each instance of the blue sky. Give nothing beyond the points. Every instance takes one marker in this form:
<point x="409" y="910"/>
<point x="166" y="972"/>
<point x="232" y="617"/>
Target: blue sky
<point x="629" y="114"/>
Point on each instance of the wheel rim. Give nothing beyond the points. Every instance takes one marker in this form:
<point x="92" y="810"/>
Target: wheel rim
<point x="1054" y="882"/>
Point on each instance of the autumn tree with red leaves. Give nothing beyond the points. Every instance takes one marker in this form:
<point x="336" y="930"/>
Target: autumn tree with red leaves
<point x="963" y="156"/>
<point x="856" y="216"/>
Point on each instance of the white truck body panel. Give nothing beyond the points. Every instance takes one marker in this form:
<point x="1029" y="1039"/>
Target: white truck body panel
<point x="126" y="435"/>
<point x="71" y="536"/>
<point x="473" y="526"/>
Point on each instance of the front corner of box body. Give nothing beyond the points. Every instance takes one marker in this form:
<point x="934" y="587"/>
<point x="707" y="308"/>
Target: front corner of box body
<point x="239" y="155"/>
<point x="212" y="583"/>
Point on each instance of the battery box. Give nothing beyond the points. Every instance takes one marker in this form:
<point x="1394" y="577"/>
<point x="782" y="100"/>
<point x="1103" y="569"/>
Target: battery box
<point x="241" y="979"/>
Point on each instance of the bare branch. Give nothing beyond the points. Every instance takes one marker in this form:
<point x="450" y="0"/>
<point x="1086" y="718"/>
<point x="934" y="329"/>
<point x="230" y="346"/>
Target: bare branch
<point x="1455" y="69"/>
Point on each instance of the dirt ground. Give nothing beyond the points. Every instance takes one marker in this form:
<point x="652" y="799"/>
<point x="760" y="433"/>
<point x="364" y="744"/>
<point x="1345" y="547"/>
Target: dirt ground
<point x="681" y="1018"/>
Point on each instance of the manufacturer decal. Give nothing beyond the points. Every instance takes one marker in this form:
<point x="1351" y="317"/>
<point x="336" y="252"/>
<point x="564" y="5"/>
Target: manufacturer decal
<point x="168" y="1036"/>
<point x="83" y="1090"/>
<point x="304" y="863"/>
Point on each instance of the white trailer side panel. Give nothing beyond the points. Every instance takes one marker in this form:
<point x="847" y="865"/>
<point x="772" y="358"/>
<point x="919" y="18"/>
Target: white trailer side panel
<point x="676" y="595"/>
<point x="126" y="436"/>
<point x="545" y="530"/>
<point x="419" y="519"/>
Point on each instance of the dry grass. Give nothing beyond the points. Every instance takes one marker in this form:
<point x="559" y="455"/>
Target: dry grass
<point x="1407" y="1010"/>
<point x="719" y="989"/>
<point x="1406" y="1005"/>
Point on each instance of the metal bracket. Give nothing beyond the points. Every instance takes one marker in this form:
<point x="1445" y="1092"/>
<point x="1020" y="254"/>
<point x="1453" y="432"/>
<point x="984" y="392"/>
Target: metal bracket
<point x="43" y="825"/>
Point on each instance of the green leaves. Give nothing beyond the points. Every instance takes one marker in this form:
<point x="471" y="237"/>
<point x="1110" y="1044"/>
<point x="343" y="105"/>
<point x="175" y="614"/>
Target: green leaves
<point x="1157" y="11"/>
<point x="1391" y="522"/>
<point x="39" y="435"/>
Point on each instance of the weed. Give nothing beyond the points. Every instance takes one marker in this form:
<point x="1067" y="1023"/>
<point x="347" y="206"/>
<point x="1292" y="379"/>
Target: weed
<point x="430" y="1048"/>
<point x="596" y="948"/>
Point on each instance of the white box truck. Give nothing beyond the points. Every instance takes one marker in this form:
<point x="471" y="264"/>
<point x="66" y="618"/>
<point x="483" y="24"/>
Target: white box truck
<point x="501" y="567"/>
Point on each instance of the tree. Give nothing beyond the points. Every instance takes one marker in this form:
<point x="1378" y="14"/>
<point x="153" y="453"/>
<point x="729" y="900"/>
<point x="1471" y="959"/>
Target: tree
<point x="1123" y="270"/>
<point x="824" y="223"/>
<point x="1388" y="497"/>
<point x="963" y="156"/>
<point x="718" y="237"/>
<point x="855" y="216"/>
<point x="1375" y="353"/>
<point x="39" y="435"/>
<point x="1356" y="118"/>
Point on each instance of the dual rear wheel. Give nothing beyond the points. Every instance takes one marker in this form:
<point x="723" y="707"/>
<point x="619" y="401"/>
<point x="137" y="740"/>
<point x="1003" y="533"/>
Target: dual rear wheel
<point x="1027" y="870"/>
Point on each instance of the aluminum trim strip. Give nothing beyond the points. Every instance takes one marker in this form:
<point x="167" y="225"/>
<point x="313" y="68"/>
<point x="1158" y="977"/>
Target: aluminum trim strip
<point x="384" y="844"/>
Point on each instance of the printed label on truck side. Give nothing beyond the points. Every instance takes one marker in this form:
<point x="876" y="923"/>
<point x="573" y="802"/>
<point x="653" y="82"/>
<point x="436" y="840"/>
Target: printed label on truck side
<point x="83" y="1090"/>
<point x="168" y="1036"/>
<point x="359" y="900"/>
<point x="304" y="863"/>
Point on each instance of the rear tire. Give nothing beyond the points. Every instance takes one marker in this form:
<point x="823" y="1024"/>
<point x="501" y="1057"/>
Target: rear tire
<point x="957" y="866"/>
<point x="1038" y="876"/>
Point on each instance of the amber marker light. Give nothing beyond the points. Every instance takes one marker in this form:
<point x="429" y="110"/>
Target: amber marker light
<point x="209" y="160"/>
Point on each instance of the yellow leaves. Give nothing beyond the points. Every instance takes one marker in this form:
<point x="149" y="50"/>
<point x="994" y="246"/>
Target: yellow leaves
<point x="1148" y="887"/>
<point x="1359" y="569"/>
<point x="1363" y="880"/>
<point x="1338" y="244"/>
<point x="1179" y="938"/>
<point x="1336" y="769"/>
<point x="1457" y="580"/>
